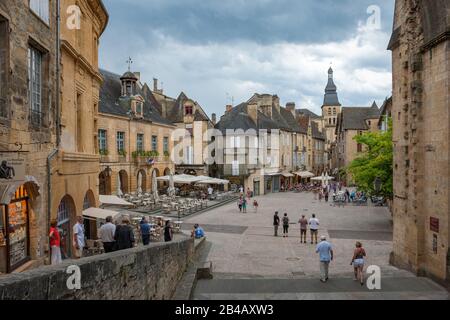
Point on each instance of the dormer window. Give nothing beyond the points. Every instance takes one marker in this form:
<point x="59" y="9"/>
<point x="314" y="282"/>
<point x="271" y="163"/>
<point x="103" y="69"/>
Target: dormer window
<point x="188" y="110"/>
<point x="139" y="107"/>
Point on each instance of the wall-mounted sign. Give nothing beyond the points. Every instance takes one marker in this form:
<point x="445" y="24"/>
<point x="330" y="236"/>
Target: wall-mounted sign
<point x="12" y="168"/>
<point x="434" y="224"/>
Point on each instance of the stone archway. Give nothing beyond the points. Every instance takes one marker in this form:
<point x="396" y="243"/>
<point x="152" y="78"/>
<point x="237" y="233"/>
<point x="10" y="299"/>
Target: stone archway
<point x="123" y="176"/>
<point x="66" y="218"/>
<point x="104" y="186"/>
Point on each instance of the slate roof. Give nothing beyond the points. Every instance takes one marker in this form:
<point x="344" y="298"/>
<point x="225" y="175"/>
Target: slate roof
<point x="331" y="97"/>
<point x="354" y="118"/>
<point x="175" y="111"/>
<point x="307" y="112"/>
<point x="316" y="133"/>
<point x="238" y="118"/>
<point x="111" y="103"/>
<point x="290" y="119"/>
<point x="303" y="122"/>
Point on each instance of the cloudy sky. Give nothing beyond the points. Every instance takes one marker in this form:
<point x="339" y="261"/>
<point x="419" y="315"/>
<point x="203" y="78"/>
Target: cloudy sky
<point x="217" y="49"/>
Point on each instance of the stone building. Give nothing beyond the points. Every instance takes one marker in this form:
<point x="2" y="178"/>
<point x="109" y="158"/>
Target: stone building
<point x="75" y="167"/>
<point x="353" y="121"/>
<point x="134" y="140"/>
<point x="189" y="117"/>
<point x="313" y="143"/>
<point x="420" y="46"/>
<point x="28" y="96"/>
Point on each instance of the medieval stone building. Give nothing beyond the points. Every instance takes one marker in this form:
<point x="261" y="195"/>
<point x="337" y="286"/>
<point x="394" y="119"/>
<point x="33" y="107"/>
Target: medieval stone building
<point x="420" y="46"/>
<point x="28" y="74"/>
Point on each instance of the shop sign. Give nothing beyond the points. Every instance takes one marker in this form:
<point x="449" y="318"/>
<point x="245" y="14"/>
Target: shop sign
<point x="434" y="224"/>
<point x="12" y="169"/>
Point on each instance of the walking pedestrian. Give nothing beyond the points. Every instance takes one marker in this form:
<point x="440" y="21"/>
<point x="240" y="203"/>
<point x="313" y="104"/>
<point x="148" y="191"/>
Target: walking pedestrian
<point x="255" y="205"/>
<point x="314" y="228"/>
<point x="78" y="238"/>
<point x="325" y="251"/>
<point x="106" y="235"/>
<point x="168" y="234"/>
<point x="145" y="231"/>
<point x="55" y="243"/>
<point x="124" y="235"/>
<point x="239" y="203"/>
<point x="303" y="229"/>
<point x="358" y="262"/>
<point x="285" y="226"/>
<point x="327" y="195"/>
<point x="244" y="205"/>
<point x="276" y="223"/>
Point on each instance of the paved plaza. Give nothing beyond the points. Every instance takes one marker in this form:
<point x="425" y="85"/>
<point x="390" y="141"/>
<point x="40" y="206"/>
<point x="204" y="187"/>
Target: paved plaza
<point x="250" y="263"/>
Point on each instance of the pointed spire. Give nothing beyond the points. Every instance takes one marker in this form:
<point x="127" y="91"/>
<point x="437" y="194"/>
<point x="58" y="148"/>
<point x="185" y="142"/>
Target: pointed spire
<point x="331" y="97"/>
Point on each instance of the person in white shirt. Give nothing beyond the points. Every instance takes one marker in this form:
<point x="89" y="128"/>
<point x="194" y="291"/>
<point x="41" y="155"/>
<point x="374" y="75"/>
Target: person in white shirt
<point x="314" y="228"/>
<point x="78" y="238"/>
<point x="210" y="192"/>
<point x="106" y="234"/>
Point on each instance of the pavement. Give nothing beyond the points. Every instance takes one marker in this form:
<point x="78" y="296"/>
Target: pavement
<point x="250" y="263"/>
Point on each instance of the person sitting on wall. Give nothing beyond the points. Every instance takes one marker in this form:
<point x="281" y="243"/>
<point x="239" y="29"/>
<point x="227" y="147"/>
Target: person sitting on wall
<point x="197" y="232"/>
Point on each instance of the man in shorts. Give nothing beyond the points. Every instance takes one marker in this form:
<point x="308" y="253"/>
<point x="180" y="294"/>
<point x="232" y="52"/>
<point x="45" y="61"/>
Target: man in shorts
<point x="314" y="228"/>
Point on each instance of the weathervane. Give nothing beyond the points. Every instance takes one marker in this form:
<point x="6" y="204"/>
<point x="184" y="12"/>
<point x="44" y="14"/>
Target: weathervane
<point x="129" y="62"/>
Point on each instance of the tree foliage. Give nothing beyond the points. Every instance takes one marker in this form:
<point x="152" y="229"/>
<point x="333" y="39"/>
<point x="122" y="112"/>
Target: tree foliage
<point x="375" y="161"/>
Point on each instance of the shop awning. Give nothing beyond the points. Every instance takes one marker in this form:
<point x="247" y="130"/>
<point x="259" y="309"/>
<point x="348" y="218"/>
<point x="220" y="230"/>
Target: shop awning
<point x="113" y="200"/>
<point x="100" y="214"/>
<point x="273" y="174"/>
<point x="182" y="178"/>
<point x="305" y="174"/>
<point x="213" y="181"/>
<point x="287" y="174"/>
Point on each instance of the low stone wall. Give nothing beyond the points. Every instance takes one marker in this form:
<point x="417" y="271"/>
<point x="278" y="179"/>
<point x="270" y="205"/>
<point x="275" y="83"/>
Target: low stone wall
<point x="142" y="273"/>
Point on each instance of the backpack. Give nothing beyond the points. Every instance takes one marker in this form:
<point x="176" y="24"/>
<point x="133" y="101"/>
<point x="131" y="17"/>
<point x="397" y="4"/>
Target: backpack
<point x="285" y="221"/>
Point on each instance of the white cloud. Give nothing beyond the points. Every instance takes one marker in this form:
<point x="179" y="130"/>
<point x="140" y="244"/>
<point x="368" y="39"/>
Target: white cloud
<point x="296" y="72"/>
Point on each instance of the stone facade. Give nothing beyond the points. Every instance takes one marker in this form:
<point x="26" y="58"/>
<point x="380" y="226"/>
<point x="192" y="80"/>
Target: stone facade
<point x="420" y="47"/>
<point x="74" y="183"/>
<point x="126" y="167"/>
<point x="143" y="273"/>
<point x="32" y="124"/>
<point x="189" y="117"/>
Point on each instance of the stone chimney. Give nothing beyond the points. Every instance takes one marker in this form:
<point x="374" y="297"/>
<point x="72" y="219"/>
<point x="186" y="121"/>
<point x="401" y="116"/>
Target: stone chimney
<point x="252" y="110"/>
<point x="214" y="118"/>
<point x="290" y="106"/>
<point x="155" y="85"/>
<point x="229" y="107"/>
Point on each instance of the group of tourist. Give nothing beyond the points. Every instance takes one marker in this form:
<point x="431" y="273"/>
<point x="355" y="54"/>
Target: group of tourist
<point x="324" y="248"/>
<point x="114" y="236"/>
<point x="245" y="199"/>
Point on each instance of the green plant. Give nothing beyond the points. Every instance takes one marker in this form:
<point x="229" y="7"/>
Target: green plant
<point x="376" y="161"/>
<point x="103" y="152"/>
<point x="122" y="153"/>
<point x="166" y="154"/>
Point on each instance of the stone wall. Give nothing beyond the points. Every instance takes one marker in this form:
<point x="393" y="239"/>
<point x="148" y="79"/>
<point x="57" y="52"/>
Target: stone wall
<point x="142" y="273"/>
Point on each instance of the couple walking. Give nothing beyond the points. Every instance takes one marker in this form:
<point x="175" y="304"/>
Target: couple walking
<point x="326" y="256"/>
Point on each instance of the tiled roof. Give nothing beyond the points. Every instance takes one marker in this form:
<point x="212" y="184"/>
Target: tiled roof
<point x="354" y="118"/>
<point x="110" y="101"/>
